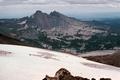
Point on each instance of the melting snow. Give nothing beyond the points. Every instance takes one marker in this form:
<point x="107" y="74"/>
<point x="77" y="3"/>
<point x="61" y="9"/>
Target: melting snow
<point x="29" y="63"/>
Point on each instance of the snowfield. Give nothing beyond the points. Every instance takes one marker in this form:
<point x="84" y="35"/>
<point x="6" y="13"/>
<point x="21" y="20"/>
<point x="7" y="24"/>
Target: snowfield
<point x="27" y="63"/>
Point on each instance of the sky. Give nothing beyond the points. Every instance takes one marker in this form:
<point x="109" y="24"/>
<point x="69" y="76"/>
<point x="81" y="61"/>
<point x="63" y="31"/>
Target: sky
<point x="72" y="8"/>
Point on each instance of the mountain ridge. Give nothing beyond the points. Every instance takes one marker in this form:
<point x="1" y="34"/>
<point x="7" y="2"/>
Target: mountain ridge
<point x="57" y="31"/>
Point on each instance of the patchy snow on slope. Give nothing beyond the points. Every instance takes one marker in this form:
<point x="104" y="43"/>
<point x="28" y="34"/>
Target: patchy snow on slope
<point x="97" y="53"/>
<point x="23" y="22"/>
<point x="27" y="63"/>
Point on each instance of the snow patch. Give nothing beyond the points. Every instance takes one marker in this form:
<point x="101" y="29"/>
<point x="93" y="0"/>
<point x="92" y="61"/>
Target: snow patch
<point x="22" y="66"/>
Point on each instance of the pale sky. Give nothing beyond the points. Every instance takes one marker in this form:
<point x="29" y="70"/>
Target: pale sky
<point x="75" y="8"/>
<point x="12" y="2"/>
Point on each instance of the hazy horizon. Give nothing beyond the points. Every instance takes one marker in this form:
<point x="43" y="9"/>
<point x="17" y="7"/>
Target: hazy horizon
<point x="87" y="9"/>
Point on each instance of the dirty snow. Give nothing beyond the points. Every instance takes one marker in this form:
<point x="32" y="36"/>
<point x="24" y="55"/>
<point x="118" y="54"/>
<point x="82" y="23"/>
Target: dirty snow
<point x="29" y="63"/>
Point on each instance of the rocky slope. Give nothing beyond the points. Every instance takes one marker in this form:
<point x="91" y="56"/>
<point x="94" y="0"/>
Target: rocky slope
<point x="46" y="30"/>
<point x="8" y="40"/>
<point x="55" y="25"/>
<point x="63" y="74"/>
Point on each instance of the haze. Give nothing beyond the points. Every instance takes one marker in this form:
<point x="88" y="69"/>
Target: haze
<point x="87" y="9"/>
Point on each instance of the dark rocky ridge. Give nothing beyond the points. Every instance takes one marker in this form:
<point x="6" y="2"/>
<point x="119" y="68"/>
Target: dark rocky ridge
<point x="64" y="74"/>
<point x="8" y="40"/>
<point x="46" y="21"/>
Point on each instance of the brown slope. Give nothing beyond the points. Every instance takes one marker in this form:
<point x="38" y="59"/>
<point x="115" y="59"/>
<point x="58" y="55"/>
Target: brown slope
<point x="111" y="59"/>
<point x="8" y="40"/>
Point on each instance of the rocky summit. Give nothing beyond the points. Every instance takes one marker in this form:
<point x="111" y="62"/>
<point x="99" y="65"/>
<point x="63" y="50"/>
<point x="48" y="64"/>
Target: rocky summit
<point x="64" y="74"/>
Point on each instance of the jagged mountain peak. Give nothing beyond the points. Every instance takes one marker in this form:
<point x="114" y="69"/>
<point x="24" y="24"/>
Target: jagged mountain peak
<point x="38" y="12"/>
<point x="44" y="20"/>
<point x="55" y="13"/>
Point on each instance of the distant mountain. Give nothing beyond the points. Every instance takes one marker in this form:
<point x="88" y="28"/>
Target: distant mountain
<point x="114" y="24"/>
<point x="53" y="24"/>
<point x="46" y="21"/>
<point x="59" y="32"/>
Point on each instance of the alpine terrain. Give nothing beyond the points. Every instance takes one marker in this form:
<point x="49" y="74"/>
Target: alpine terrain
<point x="56" y="31"/>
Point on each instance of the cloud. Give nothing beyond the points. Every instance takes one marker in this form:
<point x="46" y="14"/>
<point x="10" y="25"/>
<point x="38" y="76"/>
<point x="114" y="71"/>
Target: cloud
<point x="45" y="2"/>
<point x="11" y="2"/>
<point x="86" y="1"/>
<point x="26" y="8"/>
<point x="92" y="1"/>
<point x="32" y="2"/>
<point x="110" y="3"/>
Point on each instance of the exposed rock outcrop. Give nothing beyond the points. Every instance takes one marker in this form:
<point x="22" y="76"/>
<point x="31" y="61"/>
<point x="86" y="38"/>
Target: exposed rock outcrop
<point x="64" y="74"/>
<point x="105" y="79"/>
